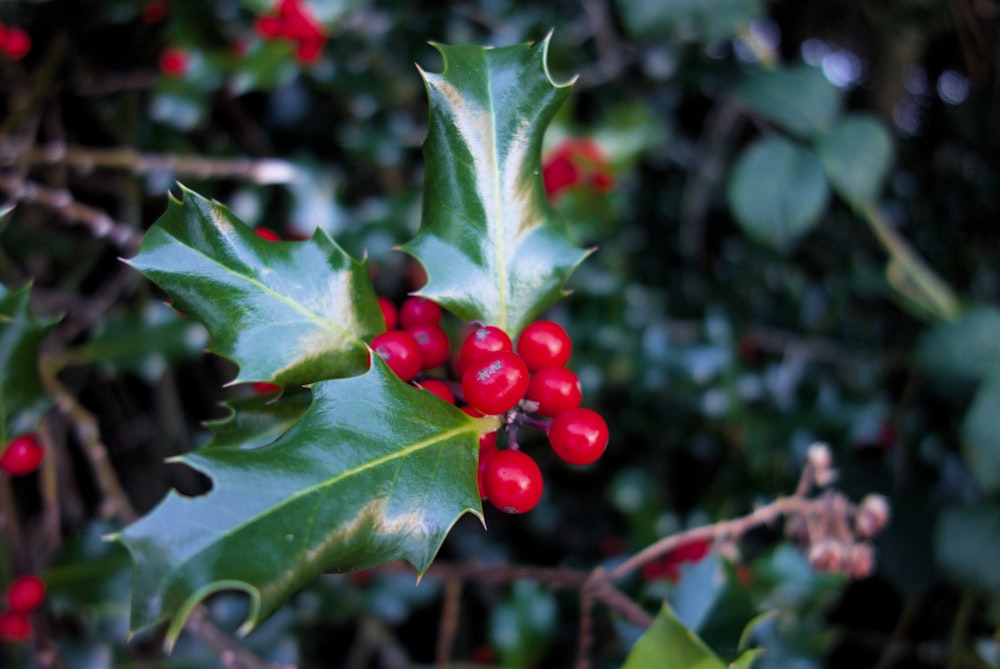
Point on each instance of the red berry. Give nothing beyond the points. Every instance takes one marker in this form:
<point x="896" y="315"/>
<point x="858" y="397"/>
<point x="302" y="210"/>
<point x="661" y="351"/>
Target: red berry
<point x="496" y="383"/>
<point x="439" y="388"/>
<point x="267" y="233"/>
<point x="22" y="455"/>
<point x="556" y="389"/>
<point x="269" y="27"/>
<point x="419" y="311"/>
<point x="265" y="388"/>
<point x="154" y="11"/>
<point x="400" y="351"/>
<point x="544" y="344"/>
<point x="16" y="43"/>
<point x="475" y="413"/>
<point x="578" y="436"/>
<point x="512" y="481"/>
<point x="174" y="62"/>
<point x="25" y="594"/>
<point x="487" y="449"/>
<point x="434" y="345"/>
<point x="308" y="51"/>
<point x="483" y="341"/>
<point x="389" y="312"/>
<point x="14" y="627"/>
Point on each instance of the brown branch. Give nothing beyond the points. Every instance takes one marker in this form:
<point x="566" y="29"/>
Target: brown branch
<point x="231" y="654"/>
<point x="85" y="159"/>
<point x="62" y="203"/>
<point x="450" y="611"/>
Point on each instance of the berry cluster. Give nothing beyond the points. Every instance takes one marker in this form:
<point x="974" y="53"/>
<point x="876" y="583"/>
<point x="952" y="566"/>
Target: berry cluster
<point x="577" y="162"/>
<point x="14" y="42"/>
<point x="24" y="596"/>
<point x="293" y="21"/>
<point x="22" y="455"/>
<point x="527" y="384"/>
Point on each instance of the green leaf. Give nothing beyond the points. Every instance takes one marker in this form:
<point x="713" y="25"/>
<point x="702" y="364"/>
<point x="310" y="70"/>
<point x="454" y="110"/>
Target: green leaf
<point x="798" y="98"/>
<point x="257" y="421"/>
<point x="981" y="435"/>
<point x="374" y="471"/>
<point x="22" y="396"/>
<point x="493" y="248"/>
<point x="667" y="644"/>
<point x="856" y="154"/>
<point x="707" y="20"/>
<point x="966" y="348"/>
<point x="967" y="542"/>
<point x="142" y="341"/>
<point x="286" y="312"/>
<point x="777" y="191"/>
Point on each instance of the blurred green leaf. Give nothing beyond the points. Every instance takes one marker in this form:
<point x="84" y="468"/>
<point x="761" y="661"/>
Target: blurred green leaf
<point x="707" y="20"/>
<point x="142" y="341"/>
<point x="966" y="348"/>
<point x="22" y="396"/>
<point x="857" y="153"/>
<point x="376" y="470"/>
<point x="667" y="644"/>
<point x="799" y="98"/>
<point x="521" y="627"/>
<point x="493" y="248"/>
<point x="286" y="312"/>
<point x="981" y="434"/>
<point x="777" y="191"/>
<point x="967" y="543"/>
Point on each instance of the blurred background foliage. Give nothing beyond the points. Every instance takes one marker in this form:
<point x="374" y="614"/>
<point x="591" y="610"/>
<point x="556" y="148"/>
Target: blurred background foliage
<point x="757" y="167"/>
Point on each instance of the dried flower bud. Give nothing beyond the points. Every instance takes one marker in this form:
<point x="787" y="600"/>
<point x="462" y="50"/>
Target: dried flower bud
<point x="828" y="555"/>
<point x="872" y="516"/>
<point x="861" y="561"/>
<point x="797" y="529"/>
<point x="820" y="459"/>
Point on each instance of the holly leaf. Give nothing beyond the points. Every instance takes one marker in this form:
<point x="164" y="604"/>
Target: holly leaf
<point x="374" y="471"/>
<point x="289" y="313"/>
<point x="668" y="644"/>
<point x="257" y="421"/>
<point x="22" y="395"/>
<point x="494" y="249"/>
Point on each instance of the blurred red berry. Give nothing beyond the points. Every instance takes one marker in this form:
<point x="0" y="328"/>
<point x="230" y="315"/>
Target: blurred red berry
<point x="22" y="456"/>
<point x="16" y="43"/>
<point x="267" y="233"/>
<point x="14" y="627"/>
<point x="25" y="594"/>
<point x="174" y="62"/>
<point x="154" y="11"/>
<point x="577" y="162"/>
<point x="668" y="568"/>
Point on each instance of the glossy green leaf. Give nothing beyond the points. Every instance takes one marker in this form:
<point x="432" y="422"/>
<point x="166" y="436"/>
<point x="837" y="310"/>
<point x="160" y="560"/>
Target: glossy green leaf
<point x="374" y="471"/>
<point x="966" y="348"/>
<point x="286" y="312"/>
<point x="967" y="542"/>
<point x="981" y="435"/>
<point x="668" y="644"/>
<point x="707" y="20"/>
<point x="22" y="396"/>
<point x="493" y="248"/>
<point x="257" y="421"/>
<point x="777" y="191"/>
<point x="857" y="153"/>
<point x="798" y="98"/>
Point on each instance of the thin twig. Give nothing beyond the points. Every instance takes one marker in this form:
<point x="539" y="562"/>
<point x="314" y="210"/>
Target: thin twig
<point x="231" y="654"/>
<point x="62" y="203"/>
<point x="450" y="611"/>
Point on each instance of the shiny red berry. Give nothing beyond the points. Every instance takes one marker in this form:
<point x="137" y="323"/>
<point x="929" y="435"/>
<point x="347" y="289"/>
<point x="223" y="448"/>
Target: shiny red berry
<point x="22" y="456"/>
<point x="400" y="351"/>
<point x="418" y="311"/>
<point x="544" y="344"/>
<point x="389" y="312"/>
<point x="496" y="383"/>
<point x="14" y="627"/>
<point x="487" y="449"/>
<point x="16" y="43"/>
<point x="512" y="481"/>
<point x="483" y="341"/>
<point x="556" y="389"/>
<point x="174" y="62"/>
<point x="578" y="436"/>
<point x="433" y="342"/>
<point x="439" y="388"/>
<point x="25" y="594"/>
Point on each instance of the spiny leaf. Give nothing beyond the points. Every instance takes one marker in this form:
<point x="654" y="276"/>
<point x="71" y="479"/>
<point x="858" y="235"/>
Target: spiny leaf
<point x="374" y="471"/>
<point x="286" y="312"/>
<point x="668" y="644"/>
<point x="22" y="396"/>
<point x="494" y="249"/>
